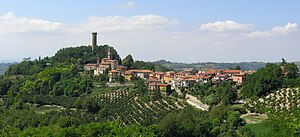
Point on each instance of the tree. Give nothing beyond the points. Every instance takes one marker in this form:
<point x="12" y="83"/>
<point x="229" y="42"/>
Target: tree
<point x="4" y="86"/>
<point x="264" y="81"/>
<point x="291" y="70"/>
<point x="128" y="61"/>
<point x="226" y="93"/>
<point x="237" y="67"/>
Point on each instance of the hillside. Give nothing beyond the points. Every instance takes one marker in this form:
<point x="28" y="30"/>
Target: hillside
<point x="49" y="93"/>
<point x="56" y="92"/>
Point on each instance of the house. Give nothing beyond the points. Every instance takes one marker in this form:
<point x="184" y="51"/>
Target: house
<point x="121" y="69"/>
<point x="158" y="75"/>
<point x="179" y="74"/>
<point x="239" y="78"/>
<point x="164" y="88"/>
<point x="128" y="75"/>
<point x="170" y="73"/>
<point x="185" y="81"/>
<point x="143" y="74"/>
<point x="232" y="72"/>
<point x="167" y="79"/>
<point x="113" y="75"/>
<point x="153" y="81"/>
<point x="211" y="72"/>
<point x="90" y="67"/>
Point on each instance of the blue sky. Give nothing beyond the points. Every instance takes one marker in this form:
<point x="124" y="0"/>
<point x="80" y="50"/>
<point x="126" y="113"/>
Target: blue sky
<point x="181" y="31"/>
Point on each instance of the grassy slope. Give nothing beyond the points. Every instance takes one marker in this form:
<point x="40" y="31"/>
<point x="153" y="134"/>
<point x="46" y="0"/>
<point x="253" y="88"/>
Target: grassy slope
<point x="259" y="128"/>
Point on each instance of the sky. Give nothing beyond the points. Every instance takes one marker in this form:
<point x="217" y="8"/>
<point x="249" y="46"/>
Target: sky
<point x="187" y="31"/>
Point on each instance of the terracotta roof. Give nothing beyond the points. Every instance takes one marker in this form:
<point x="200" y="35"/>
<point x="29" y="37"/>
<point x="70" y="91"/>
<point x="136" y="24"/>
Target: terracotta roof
<point x="153" y="80"/>
<point x="91" y="64"/>
<point x="211" y="71"/>
<point x="110" y="60"/>
<point x="128" y="72"/>
<point x="113" y="71"/>
<point x="190" y="79"/>
<point x="105" y="63"/>
<point x="142" y="71"/>
<point x="232" y="71"/>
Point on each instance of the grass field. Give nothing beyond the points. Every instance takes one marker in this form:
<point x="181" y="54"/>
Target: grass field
<point x="259" y="128"/>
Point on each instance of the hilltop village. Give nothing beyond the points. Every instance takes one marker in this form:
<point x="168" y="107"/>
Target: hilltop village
<point x="91" y="90"/>
<point x="166" y="81"/>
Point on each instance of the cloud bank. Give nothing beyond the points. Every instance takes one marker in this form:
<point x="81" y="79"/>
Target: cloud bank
<point x="277" y="30"/>
<point x="9" y="22"/>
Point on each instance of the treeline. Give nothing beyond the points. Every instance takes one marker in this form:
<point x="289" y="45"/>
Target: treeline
<point x="271" y="78"/>
<point x="130" y="63"/>
<point x="186" y="122"/>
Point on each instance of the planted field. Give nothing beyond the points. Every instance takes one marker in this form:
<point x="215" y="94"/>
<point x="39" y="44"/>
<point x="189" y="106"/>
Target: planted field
<point x="281" y="100"/>
<point x="133" y="108"/>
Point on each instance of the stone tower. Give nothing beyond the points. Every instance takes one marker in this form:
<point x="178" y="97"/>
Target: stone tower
<point x="109" y="54"/>
<point x="94" y="40"/>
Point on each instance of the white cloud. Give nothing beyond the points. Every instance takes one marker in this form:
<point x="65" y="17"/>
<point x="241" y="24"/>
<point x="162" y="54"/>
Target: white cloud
<point x="226" y="26"/>
<point x="119" y="23"/>
<point x="9" y="22"/>
<point x="277" y="30"/>
<point x="128" y="5"/>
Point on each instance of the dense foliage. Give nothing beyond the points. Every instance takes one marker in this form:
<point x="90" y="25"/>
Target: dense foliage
<point x="213" y="94"/>
<point x="270" y="78"/>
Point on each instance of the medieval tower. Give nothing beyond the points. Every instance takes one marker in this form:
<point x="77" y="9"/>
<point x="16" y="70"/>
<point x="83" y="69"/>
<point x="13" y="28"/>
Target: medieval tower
<point x="109" y="54"/>
<point x="94" y="40"/>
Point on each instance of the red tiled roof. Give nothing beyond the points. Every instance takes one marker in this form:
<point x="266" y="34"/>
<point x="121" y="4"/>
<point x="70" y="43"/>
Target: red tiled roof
<point x="113" y="71"/>
<point x="232" y="71"/>
<point x="142" y="71"/>
<point x="105" y="63"/>
<point x="91" y="64"/>
<point x="128" y="72"/>
<point x="211" y="71"/>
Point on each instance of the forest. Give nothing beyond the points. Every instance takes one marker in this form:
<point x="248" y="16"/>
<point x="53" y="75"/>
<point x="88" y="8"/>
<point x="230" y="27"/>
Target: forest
<point x="54" y="94"/>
